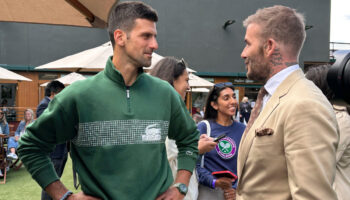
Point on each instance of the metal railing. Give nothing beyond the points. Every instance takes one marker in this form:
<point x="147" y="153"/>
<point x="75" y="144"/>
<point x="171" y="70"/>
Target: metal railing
<point x="335" y="46"/>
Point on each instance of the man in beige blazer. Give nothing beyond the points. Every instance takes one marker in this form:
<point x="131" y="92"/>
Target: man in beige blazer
<point x="289" y="150"/>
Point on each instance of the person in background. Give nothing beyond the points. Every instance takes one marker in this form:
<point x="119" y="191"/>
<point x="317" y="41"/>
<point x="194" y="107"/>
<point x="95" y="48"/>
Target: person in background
<point x="117" y="122"/>
<point x="51" y="90"/>
<point x="4" y="106"/>
<point x="244" y="110"/>
<point x="60" y="154"/>
<point x="221" y="106"/>
<point x="341" y="184"/>
<point x="197" y="118"/>
<point x="13" y="141"/>
<point x="289" y="146"/>
<point x="175" y="73"/>
<point x="4" y="126"/>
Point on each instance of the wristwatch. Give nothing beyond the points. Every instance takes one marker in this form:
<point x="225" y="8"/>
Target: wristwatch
<point x="181" y="187"/>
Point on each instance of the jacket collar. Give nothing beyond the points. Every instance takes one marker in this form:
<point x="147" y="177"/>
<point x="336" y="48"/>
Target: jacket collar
<point x="112" y="73"/>
<point x="47" y="98"/>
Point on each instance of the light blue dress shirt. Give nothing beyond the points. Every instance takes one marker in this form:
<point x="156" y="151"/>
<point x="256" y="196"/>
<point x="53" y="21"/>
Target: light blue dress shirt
<point x="273" y="83"/>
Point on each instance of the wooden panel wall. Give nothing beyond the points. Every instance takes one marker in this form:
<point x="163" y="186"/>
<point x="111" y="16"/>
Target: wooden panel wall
<point x="221" y="79"/>
<point x="27" y="91"/>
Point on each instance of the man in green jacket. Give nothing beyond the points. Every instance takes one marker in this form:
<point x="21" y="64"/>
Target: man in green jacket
<point x="117" y="122"/>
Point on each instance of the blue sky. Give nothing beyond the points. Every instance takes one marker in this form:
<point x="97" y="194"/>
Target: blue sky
<point x="340" y="21"/>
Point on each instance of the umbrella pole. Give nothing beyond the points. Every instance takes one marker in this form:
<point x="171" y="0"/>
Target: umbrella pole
<point x="189" y="101"/>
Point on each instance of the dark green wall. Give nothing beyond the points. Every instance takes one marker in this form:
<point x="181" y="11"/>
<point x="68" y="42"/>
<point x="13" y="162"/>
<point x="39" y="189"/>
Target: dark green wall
<point x="192" y="29"/>
<point x="189" y="29"/>
<point x="23" y="44"/>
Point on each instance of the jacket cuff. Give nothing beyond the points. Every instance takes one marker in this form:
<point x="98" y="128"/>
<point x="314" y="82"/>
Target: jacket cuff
<point x="45" y="176"/>
<point x="186" y="163"/>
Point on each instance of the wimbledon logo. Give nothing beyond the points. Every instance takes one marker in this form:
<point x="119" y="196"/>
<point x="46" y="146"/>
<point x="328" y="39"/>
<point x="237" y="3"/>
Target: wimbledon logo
<point x="226" y="148"/>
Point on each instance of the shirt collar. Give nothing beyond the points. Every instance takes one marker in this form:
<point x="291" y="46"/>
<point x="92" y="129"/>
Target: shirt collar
<point x="273" y="83"/>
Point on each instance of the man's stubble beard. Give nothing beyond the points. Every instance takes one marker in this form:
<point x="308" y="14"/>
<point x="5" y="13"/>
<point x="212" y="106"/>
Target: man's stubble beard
<point x="259" y="68"/>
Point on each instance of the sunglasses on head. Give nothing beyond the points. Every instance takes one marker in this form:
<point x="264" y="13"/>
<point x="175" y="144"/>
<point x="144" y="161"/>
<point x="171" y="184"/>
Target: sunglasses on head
<point x="182" y="61"/>
<point x="225" y="84"/>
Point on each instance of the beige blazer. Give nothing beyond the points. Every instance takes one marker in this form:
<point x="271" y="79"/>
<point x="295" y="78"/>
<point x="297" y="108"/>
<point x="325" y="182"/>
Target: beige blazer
<point x="342" y="176"/>
<point x="297" y="161"/>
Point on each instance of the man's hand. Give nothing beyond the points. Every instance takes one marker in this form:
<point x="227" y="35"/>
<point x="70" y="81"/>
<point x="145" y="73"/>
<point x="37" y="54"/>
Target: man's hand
<point x="205" y="144"/>
<point x="230" y="194"/>
<point x="81" y="196"/>
<point x="223" y="183"/>
<point x="56" y="190"/>
<point x="182" y="176"/>
<point x="171" y="194"/>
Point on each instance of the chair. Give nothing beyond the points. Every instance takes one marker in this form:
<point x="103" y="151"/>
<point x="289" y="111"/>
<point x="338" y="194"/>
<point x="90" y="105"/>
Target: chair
<point x="17" y="164"/>
<point x="3" y="161"/>
<point x="13" y="127"/>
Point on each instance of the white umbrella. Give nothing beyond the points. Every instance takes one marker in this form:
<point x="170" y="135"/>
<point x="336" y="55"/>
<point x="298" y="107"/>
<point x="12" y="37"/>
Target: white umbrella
<point x="68" y="79"/>
<point x="206" y="90"/>
<point x="89" y="60"/>
<point x="8" y="75"/>
<point x="198" y="82"/>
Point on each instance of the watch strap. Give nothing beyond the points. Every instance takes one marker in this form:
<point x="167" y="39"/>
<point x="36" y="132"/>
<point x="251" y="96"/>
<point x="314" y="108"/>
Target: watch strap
<point x="181" y="187"/>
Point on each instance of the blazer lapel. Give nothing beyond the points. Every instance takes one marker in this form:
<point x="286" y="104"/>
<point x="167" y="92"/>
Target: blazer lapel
<point x="248" y="137"/>
<point x="247" y="141"/>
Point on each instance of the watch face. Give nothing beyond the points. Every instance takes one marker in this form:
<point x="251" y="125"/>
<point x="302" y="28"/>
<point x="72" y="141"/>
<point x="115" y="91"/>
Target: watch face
<point x="183" y="188"/>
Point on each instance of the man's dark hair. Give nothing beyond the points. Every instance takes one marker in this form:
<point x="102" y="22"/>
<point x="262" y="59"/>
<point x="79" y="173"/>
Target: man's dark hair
<point x="123" y="15"/>
<point x="318" y="75"/>
<point x="53" y="86"/>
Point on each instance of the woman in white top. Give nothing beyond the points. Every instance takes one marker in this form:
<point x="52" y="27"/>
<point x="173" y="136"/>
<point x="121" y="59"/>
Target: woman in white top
<point x="174" y="71"/>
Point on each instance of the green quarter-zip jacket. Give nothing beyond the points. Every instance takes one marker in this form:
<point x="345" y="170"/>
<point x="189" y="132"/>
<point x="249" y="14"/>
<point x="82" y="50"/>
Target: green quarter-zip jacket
<point x="117" y="135"/>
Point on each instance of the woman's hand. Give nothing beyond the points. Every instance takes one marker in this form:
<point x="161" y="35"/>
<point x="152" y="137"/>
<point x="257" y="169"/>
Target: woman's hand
<point x="230" y="194"/>
<point x="205" y="144"/>
<point x="223" y="183"/>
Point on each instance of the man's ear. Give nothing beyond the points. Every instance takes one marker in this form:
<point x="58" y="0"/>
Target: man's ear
<point x="269" y="47"/>
<point x="214" y="105"/>
<point x="119" y="37"/>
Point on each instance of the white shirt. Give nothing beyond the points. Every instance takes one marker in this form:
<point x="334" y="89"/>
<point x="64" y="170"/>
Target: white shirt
<point x="273" y="83"/>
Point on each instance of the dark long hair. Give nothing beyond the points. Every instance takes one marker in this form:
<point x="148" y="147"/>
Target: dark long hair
<point x="3" y="118"/>
<point x="169" y="69"/>
<point x="318" y="75"/>
<point x="210" y="113"/>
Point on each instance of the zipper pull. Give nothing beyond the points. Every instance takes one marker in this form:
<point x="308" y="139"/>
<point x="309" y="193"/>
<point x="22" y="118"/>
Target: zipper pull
<point x="128" y="93"/>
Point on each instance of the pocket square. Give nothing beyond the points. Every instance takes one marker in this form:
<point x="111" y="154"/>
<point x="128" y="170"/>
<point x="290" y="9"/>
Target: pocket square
<point x="263" y="131"/>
